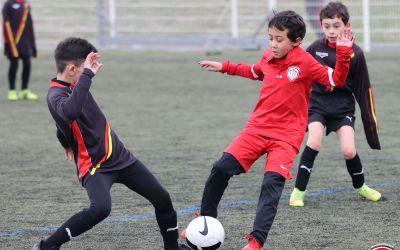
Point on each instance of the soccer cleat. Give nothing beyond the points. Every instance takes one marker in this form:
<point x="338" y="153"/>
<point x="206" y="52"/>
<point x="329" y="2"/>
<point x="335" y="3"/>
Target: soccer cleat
<point x="253" y="243"/>
<point x="183" y="233"/>
<point x="12" y="95"/>
<point x="368" y="193"/>
<point x="27" y="94"/>
<point x="39" y="246"/>
<point x="297" y="198"/>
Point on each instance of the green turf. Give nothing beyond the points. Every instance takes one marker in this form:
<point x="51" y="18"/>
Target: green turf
<point x="177" y="119"/>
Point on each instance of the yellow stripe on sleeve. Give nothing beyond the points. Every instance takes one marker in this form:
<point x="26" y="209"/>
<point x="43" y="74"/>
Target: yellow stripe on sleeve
<point x="371" y="99"/>
<point x="21" y="26"/>
<point x="13" y="46"/>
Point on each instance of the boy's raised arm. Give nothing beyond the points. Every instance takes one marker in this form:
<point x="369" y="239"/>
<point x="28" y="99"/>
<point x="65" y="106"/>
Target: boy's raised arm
<point x="69" y="107"/>
<point x="335" y="78"/>
<point x="244" y="70"/>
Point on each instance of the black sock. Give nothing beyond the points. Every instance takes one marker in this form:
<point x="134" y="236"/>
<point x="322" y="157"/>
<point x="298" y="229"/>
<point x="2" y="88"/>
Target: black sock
<point x="305" y="168"/>
<point x="73" y="227"/>
<point x="356" y="172"/>
<point x="168" y="224"/>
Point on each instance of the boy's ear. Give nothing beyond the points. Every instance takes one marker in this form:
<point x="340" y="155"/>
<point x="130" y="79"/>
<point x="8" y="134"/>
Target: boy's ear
<point x="297" y="42"/>
<point x="347" y="25"/>
<point x="70" y="69"/>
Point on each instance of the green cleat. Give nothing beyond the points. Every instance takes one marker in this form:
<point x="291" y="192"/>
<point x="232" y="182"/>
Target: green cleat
<point x="297" y="198"/>
<point x="368" y="193"/>
<point x="12" y="95"/>
<point x="27" y="94"/>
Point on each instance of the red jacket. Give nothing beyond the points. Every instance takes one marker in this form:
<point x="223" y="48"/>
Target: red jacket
<point x="282" y="107"/>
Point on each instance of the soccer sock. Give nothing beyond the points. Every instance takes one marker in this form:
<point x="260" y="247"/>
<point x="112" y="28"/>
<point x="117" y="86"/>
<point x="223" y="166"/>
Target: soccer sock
<point x="356" y="172"/>
<point x="73" y="227"/>
<point x="167" y="221"/>
<point x="305" y="167"/>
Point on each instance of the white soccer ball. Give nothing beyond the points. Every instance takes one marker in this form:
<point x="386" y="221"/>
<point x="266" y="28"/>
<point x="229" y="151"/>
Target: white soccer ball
<point x="205" y="232"/>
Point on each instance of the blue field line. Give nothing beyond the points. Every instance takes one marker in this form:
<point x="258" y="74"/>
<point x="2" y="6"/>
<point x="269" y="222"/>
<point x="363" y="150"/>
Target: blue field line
<point x="189" y="210"/>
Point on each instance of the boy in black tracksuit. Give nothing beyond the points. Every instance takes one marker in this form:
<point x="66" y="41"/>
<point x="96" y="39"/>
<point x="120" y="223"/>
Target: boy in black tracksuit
<point x="99" y="155"/>
<point x="19" y="43"/>
<point x="333" y="109"/>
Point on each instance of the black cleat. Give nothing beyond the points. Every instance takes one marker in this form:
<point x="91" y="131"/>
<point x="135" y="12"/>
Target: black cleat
<point x="39" y="246"/>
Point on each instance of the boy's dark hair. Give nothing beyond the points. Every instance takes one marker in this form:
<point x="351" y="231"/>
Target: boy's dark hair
<point x="291" y="21"/>
<point x="335" y="9"/>
<point x="72" y="50"/>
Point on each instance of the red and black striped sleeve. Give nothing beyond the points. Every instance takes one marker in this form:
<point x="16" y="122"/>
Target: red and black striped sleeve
<point x="363" y="93"/>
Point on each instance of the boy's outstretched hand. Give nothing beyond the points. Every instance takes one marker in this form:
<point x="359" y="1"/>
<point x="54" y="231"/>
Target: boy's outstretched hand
<point x="346" y="38"/>
<point x="92" y="62"/>
<point x="211" y="65"/>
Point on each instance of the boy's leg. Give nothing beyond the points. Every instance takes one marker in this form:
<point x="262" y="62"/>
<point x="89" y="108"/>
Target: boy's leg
<point x="26" y="93"/>
<point x="223" y="169"/>
<point x="314" y="141"/>
<point x="26" y="71"/>
<point x="354" y="167"/>
<point x="98" y="189"/>
<point x="280" y="156"/>
<point x="237" y="158"/>
<point x="139" y="179"/>
<point x="12" y="73"/>
<point x="347" y="144"/>
<point x="271" y="191"/>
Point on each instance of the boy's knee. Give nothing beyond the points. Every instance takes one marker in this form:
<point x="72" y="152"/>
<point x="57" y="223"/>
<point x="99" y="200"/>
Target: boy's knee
<point x="348" y="153"/>
<point x="227" y="165"/>
<point x="315" y="144"/>
<point x="100" y="212"/>
<point x="274" y="182"/>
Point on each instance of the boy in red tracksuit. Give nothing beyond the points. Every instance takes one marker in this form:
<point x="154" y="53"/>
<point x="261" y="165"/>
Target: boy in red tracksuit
<point x="277" y="124"/>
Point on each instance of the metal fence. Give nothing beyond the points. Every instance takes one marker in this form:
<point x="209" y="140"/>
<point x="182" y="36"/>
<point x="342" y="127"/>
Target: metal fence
<point x="200" y="24"/>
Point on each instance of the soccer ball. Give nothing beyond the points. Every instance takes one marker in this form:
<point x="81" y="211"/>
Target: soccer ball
<point x="205" y="232"/>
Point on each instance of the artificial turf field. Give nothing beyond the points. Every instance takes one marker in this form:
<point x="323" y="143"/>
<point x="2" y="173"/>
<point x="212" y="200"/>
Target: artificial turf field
<point x="177" y="119"/>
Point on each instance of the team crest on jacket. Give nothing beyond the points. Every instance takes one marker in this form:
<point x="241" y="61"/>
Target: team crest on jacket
<point x="292" y="73"/>
<point x="321" y="54"/>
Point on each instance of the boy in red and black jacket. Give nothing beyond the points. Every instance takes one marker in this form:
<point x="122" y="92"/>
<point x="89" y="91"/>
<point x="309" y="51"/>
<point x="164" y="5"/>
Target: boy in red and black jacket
<point x="333" y="109"/>
<point x="277" y="124"/>
<point x="100" y="157"/>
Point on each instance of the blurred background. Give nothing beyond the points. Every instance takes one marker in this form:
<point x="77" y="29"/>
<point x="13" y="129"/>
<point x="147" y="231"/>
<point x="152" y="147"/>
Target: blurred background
<point x="201" y="24"/>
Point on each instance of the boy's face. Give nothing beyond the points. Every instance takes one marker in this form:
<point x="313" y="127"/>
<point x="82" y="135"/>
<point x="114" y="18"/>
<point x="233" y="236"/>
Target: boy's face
<point x="279" y="42"/>
<point x="332" y="27"/>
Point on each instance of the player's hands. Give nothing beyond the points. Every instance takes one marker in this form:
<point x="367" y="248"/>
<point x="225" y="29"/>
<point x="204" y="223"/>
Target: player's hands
<point x="211" y="65"/>
<point x="69" y="154"/>
<point x="346" y="38"/>
<point x="92" y="62"/>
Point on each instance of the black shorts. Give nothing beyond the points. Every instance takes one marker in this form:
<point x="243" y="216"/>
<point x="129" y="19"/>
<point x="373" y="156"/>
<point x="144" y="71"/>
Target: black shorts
<point x="332" y="123"/>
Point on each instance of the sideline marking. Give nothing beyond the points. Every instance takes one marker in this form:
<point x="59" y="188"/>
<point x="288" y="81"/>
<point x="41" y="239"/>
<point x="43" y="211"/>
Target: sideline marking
<point x="323" y="192"/>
